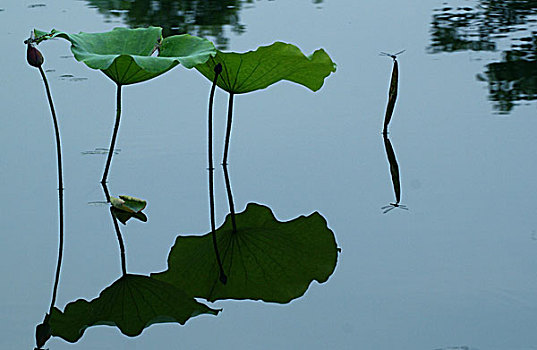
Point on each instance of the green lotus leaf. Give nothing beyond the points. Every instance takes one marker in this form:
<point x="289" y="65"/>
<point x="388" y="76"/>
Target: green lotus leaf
<point x="125" y="55"/>
<point x="128" y="203"/>
<point x="132" y="303"/>
<point x="256" y="70"/>
<point x="265" y="259"/>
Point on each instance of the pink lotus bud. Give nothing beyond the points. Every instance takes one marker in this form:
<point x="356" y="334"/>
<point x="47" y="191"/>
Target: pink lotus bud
<point x="33" y="56"/>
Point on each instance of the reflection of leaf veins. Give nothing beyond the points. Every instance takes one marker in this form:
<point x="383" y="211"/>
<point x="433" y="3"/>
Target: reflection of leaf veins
<point x="265" y="259"/>
<point x="132" y="303"/>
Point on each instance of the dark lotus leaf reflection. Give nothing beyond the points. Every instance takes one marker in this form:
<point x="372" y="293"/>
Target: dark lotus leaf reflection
<point x="124" y="216"/>
<point x="256" y="70"/>
<point x="132" y="303"/>
<point x="125" y="55"/>
<point x="265" y="259"/>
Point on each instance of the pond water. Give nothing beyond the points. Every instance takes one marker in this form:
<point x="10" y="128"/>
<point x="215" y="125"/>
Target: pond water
<point x="454" y="271"/>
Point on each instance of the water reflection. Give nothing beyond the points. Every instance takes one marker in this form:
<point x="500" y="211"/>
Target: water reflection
<point x="489" y="26"/>
<point x="394" y="172"/>
<point x="133" y="302"/>
<point x="200" y="18"/>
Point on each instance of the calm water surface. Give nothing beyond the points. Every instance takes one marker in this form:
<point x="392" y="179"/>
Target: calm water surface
<point x="455" y="271"/>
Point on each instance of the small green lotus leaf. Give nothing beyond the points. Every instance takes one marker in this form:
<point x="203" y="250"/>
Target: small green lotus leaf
<point x="133" y="203"/>
<point x="255" y="70"/>
<point x="265" y="259"/>
<point x="128" y="203"/>
<point x="118" y="203"/>
<point x="126" y="55"/>
<point x="132" y="303"/>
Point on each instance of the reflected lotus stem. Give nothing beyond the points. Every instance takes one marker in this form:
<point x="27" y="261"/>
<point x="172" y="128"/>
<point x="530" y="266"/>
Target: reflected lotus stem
<point x="224" y="162"/>
<point x="121" y="245"/>
<point x="217" y="71"/>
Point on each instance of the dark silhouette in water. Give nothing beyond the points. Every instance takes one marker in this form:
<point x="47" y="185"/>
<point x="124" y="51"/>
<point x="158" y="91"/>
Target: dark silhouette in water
<point x="392" y="94"/>
<point x="217" y="71"/>
<point x="394" y="171"/>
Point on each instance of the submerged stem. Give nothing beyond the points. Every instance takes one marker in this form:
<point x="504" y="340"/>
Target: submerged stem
<point x="217" y="70"/>
<point x="60" y="189"/>
<point x="114" y="135"/>
<point x="121" y="245"/>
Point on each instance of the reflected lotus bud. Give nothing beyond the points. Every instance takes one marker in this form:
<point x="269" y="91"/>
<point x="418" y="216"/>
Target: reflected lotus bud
<point x="33" y="56"/>
<point x="42" y="331"/>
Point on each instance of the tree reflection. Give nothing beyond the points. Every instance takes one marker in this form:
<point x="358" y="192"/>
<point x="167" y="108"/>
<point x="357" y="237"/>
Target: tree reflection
<point x="200" y="18"/>
<point x="492" y="24"/>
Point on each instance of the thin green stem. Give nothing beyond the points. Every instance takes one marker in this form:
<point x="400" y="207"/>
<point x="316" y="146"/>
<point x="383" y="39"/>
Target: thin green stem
<point x="224" y="161"/>
<point x="217" y="70"/>
<point x="60" y="190"/>
<point x="114" y="134"/>
<point x="105" y="190"/>
<point x="228" y="129"/>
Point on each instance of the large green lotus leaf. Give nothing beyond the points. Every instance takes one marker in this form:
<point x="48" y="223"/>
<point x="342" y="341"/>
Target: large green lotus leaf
<point x="125" y="55"/>
<point x="264" y="260"/>
<point x="255" y="70"/>
<point x="132" y="303"/>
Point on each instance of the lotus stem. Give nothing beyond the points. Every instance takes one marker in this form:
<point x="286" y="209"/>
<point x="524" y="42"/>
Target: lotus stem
<point x="224" y="162"/>
<point x="106" y="193"/>
<point x="121" y="245"/>
<point x="228" y="129"/>
<point x="114" y="135"/>
<point x="217" y="70"/>
<point x="60" y="189"/>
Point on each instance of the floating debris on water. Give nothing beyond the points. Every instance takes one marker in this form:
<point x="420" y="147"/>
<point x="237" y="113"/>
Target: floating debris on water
<point x="71" y="77"/>
<point x="36" y="5"/>
<point x="101" y="150"/>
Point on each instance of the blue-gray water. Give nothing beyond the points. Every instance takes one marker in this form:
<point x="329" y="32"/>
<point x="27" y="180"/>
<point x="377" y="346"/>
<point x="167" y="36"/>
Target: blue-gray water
<point x="457" y="269"/>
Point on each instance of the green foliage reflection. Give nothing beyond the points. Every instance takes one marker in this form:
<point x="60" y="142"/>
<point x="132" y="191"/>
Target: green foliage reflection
<point x="208" y="18"/>
<point x="264" y="259"/>
<point x="132" y="303"/>
<point x="482" y="28"/>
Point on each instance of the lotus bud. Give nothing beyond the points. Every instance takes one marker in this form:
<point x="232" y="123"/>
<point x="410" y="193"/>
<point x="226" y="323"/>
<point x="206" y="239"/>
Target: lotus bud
<point x="33" y="56"/>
